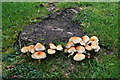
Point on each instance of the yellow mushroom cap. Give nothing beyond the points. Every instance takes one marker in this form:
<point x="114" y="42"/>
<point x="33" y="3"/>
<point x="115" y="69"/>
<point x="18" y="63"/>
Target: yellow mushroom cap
<point x="97" y="49"/>
<point x="39" y="55"/>
<point x="69" y="44"/>
<point x="93" y="42"/>
<point x="52" y="46"/>
<point x="80" y="49"/>
<point x="24" y="50"/>
<point x="85" y="38"/>
<point x="93" y="46"/>
<point x="39" y="47"/>
<point x="51" y="51"/>
<point x="79" y="57"/>
<point x="31" y="48"/>
<point x="88" y="47"/>
<point x="66" y="50"/>
<point x="94" y="38"/>
<point x="82" y="43"/>
<point x="71" y="50"/>
<point x="59" y="48"/>
<point x="75" y="40"/>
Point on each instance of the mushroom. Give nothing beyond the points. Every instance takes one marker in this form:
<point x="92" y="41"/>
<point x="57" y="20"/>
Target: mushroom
<point x="94" y="39"/>
<point x="80" y="49"/>
<point x="71" y="50"/>
<point x="59" y="47"/>
<point x="79" y="57"/>
<point x="93" y="46"/>
<point x="82" y="43"/>
<point x="39" y="47"/>
<point x="97" y="49"/>
<point x="66" y="50"/>
<point x="39" y="55"/>
<point x="88" y="47"/>
<point x="31" y="48"/>
<point x="85" y="38"/>
<point x="75" y="40"/>
<point x="51" y="51"/>
<point x="52" y="46"/>
<point x="69" y="44"/>
<point x="24" y="49"/>
<point x="93" y="42"/>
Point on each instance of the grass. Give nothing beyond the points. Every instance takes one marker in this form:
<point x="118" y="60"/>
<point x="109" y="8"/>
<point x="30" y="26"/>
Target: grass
<point x="98" y="19"/>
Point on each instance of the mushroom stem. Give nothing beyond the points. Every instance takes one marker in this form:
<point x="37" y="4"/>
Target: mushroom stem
<point x="70" y="54"/>
<point x="39" y="61"/>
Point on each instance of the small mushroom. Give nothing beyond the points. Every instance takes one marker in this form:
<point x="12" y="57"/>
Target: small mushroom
<point x="75" y="40"/>
<point x="24" y="49"/>
<point x="94" y="39"/>
<point x="85" y="38"/>
<point x="94" y="46"/>
<point x="72" y="50"/>
<point x="79" y="57"/>
<point x="80" y="49"/>
<point x="31" y="48"/>
<point x="93" y="42"/>
<point x="97" y="49"/>
<point x="39" y="47"/>
<point x="51" y="51"/>
<point x="66" y="50"/>
<point x="59" y="47"/>
<point x="88" y="47"/>
<point x="69" y="44"/>
<point x="52" y="46"/>
<point x="39" y="55"/>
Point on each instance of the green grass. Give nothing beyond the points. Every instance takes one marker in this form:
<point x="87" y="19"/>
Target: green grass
<point x="98" y="19"/>
<point x="59" y="66"/>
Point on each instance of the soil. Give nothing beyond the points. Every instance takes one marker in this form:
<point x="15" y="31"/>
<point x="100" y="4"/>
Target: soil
<point x="57" y="27"/>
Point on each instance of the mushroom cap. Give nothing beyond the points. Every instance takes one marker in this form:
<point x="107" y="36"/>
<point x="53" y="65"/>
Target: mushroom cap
<point x="31" y="48"/>
<point x="94" y="38"/>
<point x="24" y="50"/>
<point x="79" y="57"/>
<point x="51" y="51"/>
<point x="85" y="38"/>
<point x="66" y="50"/>
<point x="52" y="46"/>
<point x="75" y="40"/>
<point x="88" y="47"/>
<point x="97" y="49"/>
<point x="93" y="46"/>
<point x="69" y="44"/>
<point x="82" y="43"/>
<point x="39" y="55"/>
<point x="71" y="50"/>
<point x="80" y="49"/>
<point x="39" y="47"/>
<point x="59" y="47"/>
<point x="93" y="42"/>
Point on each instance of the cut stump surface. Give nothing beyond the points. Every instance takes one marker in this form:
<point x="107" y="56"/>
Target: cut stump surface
<point x="58" y="27"/>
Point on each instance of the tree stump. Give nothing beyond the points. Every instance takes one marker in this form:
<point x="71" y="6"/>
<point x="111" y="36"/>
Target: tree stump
<point x="57" y="27"/>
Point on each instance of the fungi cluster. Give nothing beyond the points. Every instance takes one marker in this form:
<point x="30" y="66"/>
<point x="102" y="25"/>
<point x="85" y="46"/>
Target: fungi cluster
<point x="80" y="46"/>
<point x="77" y="46"/>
